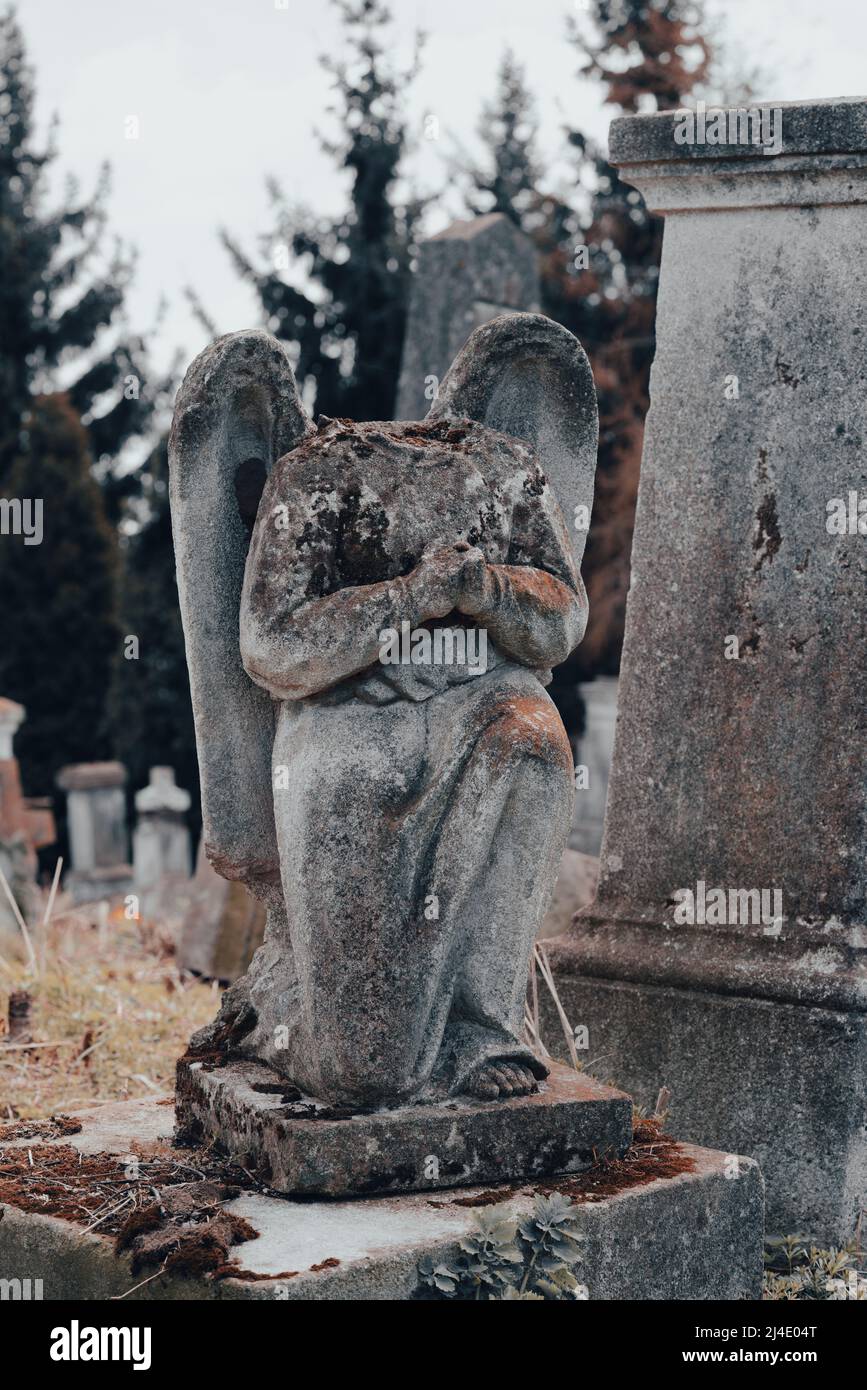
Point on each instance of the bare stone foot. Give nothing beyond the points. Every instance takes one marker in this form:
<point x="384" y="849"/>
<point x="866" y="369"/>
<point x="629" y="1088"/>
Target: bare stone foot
<point x="499" y="1080"/>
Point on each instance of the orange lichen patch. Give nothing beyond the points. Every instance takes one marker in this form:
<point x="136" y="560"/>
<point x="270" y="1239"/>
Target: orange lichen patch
<point x="548" y="592"/>
<point x="530" y="727"/>
<point x="325" y="1264"/>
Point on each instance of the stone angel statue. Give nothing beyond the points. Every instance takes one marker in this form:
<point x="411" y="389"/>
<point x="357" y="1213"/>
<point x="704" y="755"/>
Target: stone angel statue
<point x="403" y="820"/>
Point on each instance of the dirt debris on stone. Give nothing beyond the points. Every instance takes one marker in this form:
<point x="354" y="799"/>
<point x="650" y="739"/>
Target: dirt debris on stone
<point x="53" y="1128"/>
<point x="653" y="1154"/>
<point x="196" y="1246"/>
<point x="163" y="1207"/>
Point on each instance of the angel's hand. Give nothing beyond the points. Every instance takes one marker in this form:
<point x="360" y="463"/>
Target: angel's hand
<point x="438" y="578"/>
<point x="477" y="586"/>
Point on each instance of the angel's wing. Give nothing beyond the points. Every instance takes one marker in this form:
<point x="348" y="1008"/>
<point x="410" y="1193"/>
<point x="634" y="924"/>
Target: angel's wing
<point x="525" y="375"/>
<point x="236" y="413"/>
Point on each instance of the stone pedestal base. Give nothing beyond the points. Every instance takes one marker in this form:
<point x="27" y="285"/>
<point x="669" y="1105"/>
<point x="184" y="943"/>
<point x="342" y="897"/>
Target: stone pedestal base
<point x="694" y="1236"/>
<point x="248" y="1107"/>
<point x="781" y="1082"/>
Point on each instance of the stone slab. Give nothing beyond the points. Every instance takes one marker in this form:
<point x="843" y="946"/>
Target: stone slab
<point x="833" y="126"/>
<point x="561" y="1129"/>
<point x="780" y="1082"/>
<point x="694" y="1236"/>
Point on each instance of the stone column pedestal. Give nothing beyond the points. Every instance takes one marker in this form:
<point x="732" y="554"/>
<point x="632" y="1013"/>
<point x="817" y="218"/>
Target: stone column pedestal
<point x="96" y="807"/>
<point x="739" y="762"/>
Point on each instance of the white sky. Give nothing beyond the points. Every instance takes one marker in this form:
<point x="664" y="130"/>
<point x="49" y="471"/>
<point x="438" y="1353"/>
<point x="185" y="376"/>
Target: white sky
<point x="227" y="91"/>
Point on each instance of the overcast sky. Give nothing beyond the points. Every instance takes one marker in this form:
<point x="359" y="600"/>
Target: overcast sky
<point x="227" y="91"/>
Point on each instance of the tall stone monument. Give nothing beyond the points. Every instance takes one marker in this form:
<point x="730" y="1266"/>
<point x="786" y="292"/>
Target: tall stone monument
<point x="467" y="274"/>
<point x="725" y="955"/>
<point x="98" y="839"/>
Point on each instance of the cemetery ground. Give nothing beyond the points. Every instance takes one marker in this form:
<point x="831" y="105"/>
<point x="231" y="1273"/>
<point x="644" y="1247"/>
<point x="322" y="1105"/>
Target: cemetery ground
<point x="101" y="1016"/>
<point x="110" y="1013"/>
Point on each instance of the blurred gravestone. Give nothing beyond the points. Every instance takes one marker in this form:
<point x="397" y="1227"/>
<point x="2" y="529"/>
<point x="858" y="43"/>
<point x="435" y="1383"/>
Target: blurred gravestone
<point x="223" y="927"/>
<point x="594" y="763"/>
<point x="26" y="823"/>
<point x="467" y="274"/>
<point x="575" y="888"/>
<point x="161" y="843"/>
<point x="96" y="809"/>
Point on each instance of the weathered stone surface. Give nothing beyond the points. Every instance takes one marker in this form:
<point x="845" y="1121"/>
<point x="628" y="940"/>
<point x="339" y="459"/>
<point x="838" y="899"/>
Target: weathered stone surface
<point x="416" y="808"/>
<point x="458" y="1143"/>
<point x="223" y="926"/>
<point x="747" y="772"/>
<point x="236" y="413"/>
<point x="467" y="274"/>
<point x="836" y="126"/>
<point x="694" y="1236"/>
<point x="99" y="844"/>
<point x="782" y="1083"/>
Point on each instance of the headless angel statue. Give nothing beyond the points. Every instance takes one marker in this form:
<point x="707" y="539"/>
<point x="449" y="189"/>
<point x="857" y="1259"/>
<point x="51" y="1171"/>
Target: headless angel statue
<point x="419" y="809"/>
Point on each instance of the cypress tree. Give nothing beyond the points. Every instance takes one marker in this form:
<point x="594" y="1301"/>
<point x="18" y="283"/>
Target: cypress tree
<point x="60" y="620"/>
<point x="346" y="313"/>
<point x="59" y="293"/>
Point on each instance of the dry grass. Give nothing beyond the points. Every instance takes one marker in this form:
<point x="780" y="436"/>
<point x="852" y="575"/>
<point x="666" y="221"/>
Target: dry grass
<point x="111" y="1003"/>
<point x="541" y="966"/>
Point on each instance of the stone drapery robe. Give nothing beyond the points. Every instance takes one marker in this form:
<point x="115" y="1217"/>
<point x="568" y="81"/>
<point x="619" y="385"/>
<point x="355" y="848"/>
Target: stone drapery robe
<point x="421" y="811"/>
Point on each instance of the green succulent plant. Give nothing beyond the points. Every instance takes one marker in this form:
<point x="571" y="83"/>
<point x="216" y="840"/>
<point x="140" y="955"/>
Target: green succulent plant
<point x="795" y="1271"/>
<point x="530" y="1259"/>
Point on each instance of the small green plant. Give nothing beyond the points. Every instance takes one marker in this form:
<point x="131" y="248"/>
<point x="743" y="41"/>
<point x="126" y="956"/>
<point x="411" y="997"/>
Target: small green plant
<point x="795" y="1271"/>
<point x="530" y="1259"/>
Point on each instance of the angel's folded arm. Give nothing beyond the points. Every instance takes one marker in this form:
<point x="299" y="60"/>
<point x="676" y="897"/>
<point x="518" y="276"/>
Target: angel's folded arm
<point x="298" y="651"/>
<point x="534" y="617"/>
<point x="537" y="609"/>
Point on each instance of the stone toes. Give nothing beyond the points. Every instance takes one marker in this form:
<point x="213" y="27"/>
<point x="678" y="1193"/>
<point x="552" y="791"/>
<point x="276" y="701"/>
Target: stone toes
<point x="517" y="1078"/>
<point x="482" y="1085"/>
<point x="498" y="1081"/>
<point x="503" y="1080"/>
<point x="524" y="1080"/>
